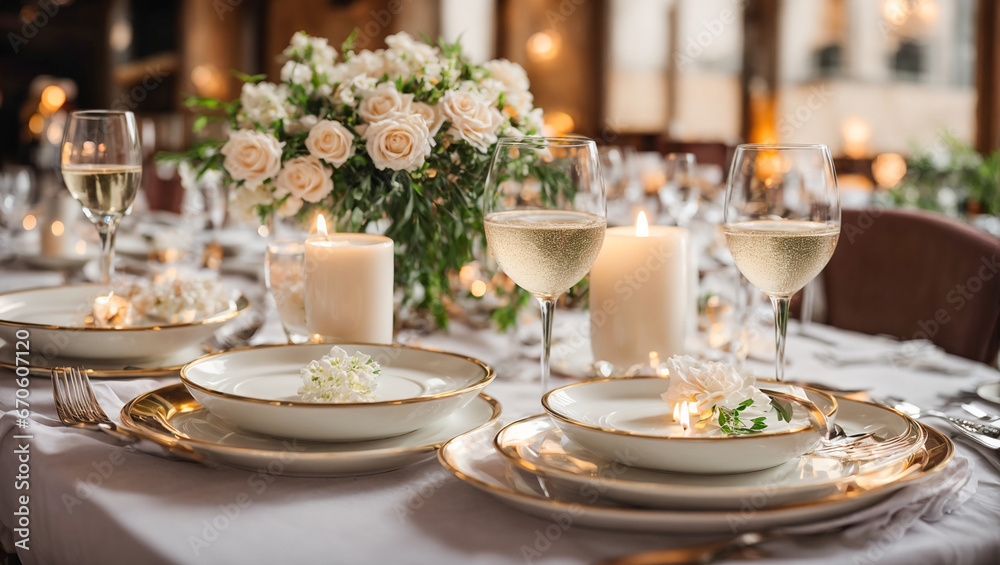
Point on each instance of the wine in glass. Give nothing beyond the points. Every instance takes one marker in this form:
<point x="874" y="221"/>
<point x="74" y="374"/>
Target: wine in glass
<point x="102" y="167"/>
<point x="782" y="222"/>
<point x="545" y="216"/>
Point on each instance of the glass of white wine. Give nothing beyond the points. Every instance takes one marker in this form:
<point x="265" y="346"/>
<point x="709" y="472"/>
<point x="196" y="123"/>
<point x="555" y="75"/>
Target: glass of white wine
<point x="102" y="166"/>
<point x="782" y="222"/>
<point x="545" y="215"/>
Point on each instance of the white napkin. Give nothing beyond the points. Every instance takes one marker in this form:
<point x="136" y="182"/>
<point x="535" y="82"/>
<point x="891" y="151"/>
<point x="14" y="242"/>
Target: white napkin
<point x="928" y="500"/>
<point x="919" y="354"/>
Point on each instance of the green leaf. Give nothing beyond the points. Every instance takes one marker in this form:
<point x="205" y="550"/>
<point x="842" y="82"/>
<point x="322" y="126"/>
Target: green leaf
<point x="784" y="411"/>
<point x="248" y="78"/>
<point x="199" y="123"/>
<point x="348" y="44"/>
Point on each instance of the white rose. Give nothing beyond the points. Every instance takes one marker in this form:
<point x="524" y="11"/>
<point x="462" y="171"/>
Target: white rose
<point x="710" y="384"/>
<point x="431" y="114"/>
<point x="306" y="178"/>
<point x="517" y="103"/>
<point x="331" y="141"/>
<point x="252" y="157"/>
<point x="472" y="118"/>
<point x="401" y="143"/>
<point x="264" y="103"/>
<point x="510" y="74"/>
<point x="384" y="102"/>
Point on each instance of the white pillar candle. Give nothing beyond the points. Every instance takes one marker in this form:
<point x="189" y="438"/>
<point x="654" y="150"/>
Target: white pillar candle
<point x="58" y="234"/>
<point x="639" y="303"/>
<point x="349" y="287"/>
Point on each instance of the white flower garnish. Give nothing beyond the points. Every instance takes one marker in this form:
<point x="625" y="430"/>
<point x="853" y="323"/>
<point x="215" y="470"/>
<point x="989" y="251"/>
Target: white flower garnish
<point x="710" y="385"/>
<point x="183" y="298"/>
<point x="339" y="377"/>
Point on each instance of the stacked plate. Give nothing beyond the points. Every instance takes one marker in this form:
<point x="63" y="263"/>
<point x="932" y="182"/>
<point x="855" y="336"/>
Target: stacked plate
<point x="55" y="319"/>
<point x="242" y="408"/>
<point x="606" y="453"/>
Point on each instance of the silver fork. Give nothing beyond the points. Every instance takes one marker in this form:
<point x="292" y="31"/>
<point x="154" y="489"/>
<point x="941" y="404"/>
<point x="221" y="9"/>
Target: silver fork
<point x="77" y="407"/>
<point x="982" y="434"/>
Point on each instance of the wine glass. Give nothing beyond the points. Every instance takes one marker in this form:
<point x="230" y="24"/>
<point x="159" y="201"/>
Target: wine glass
<point x="545" y="215"/>
<point x="680" y="195"/>
<point x="782" y="222"/>
<point x="102" y="166"/>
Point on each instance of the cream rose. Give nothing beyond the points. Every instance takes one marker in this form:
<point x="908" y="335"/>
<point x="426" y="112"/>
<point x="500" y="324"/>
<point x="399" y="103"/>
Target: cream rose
<point x="431" y="114"/>
<point x="331" y="141"/>
<point x="384" y="102"/>
<point x="472" y="118"/>
<point x="252" y="157"/>
<point x="401" y="143"/>
<point x="306" y="178"/>
<point x="710" y="384"/>
<point x="290" y="207"/>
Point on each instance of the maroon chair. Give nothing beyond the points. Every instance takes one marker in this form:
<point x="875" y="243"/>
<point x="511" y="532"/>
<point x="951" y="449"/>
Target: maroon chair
<point x="917" y="275"/>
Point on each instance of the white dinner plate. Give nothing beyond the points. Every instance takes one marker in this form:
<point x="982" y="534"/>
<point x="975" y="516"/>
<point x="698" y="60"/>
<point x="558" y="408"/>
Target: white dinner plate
<point x="613" y="416"/>
<point x="990" y="392"/>
<point x="536" y="446"/>
<point x="472" y="458"/>
<point x="256" y="388"/>
<point x="56" y="262"/>
<point x="171" y="416"/>
<point x="54" y="317"/>
<point x="40" y="365"/>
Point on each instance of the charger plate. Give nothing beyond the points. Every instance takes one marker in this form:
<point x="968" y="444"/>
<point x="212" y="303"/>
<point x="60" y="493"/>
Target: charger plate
<point x="536" y="446"/>
<point x="39" y="365"/>
<point x="171" y="417"/>
<point x="472" y="458"/>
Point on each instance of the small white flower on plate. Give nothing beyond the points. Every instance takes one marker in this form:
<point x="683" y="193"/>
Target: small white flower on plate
<point x="339" y="377"/>
<point x="711" y="384"/>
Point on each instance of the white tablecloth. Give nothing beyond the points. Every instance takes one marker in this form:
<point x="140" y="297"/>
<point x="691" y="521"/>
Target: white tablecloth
<point x="92" y="501"/>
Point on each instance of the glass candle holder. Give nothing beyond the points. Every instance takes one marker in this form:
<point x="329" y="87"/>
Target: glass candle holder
<point x="285" y="277"/>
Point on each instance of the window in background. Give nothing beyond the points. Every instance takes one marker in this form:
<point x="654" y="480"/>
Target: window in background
<point x="869" y="77"/>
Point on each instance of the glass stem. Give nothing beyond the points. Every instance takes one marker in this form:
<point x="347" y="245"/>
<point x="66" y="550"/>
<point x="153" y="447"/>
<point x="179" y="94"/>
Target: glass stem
<point x="107" y="226"/>
<point x="781" y="304"/>
<point x="548" y="307"/>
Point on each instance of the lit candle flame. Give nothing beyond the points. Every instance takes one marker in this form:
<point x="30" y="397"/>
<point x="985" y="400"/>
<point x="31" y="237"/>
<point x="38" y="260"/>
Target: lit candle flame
<point x="682" y="413"/>
<point x="641" y="225"/>
<point x="321" y="225"/>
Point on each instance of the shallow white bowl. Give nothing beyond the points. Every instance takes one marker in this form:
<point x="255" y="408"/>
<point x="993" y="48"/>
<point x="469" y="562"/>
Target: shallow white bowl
<point x="54" y="317"/>
<point x="625" y="419"/>
<point x="256" y="389"/>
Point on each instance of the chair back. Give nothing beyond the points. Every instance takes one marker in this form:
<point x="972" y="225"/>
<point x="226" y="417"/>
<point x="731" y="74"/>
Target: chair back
<point x="917" y="275"/>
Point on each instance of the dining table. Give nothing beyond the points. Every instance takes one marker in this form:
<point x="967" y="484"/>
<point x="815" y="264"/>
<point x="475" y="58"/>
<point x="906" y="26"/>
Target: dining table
<point x="93" y="500"/>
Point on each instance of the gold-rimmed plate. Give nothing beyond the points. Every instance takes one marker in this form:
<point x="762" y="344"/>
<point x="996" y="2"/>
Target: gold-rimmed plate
<point x="39" y="365"/>
<point x="472" y="458"/>
<point x="54" y="317"/>
<point x="256" y="388"/>
<point x="537" y="447"/>
<point x="172" y="417"/>
<point x="611" y="416"/>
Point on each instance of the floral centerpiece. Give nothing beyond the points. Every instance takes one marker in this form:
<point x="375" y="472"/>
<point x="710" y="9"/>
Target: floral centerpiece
<point x="402" y="134"/>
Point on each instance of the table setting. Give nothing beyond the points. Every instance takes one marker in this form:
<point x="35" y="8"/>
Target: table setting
<point x="344" y="397"/>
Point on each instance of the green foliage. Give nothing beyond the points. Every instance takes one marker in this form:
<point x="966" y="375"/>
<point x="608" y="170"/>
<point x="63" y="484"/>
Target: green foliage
<point x="435" y="213"/>
<point x="957" y="166"/>
<point x="731" y="424"/>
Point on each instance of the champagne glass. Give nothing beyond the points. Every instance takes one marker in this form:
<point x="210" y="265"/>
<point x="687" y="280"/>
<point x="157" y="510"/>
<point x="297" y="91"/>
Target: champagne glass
<point x="782" y="222"/>
<point x="545" y="216"/>
<point x="680" y="195"/>
<point x="102" y="166"/>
